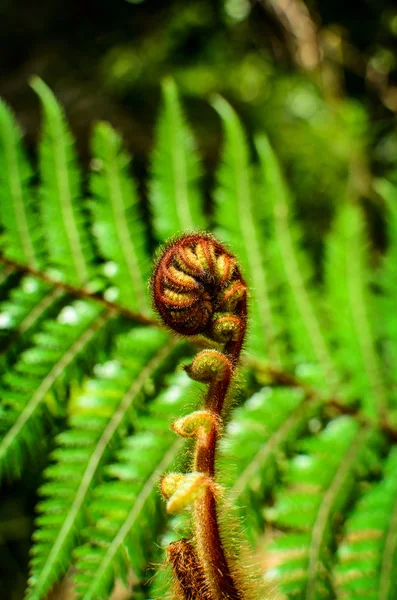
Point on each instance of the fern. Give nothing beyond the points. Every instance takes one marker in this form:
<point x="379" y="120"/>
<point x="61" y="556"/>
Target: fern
<point x="260" y="435"/>
<point x="351" y="304"/>
<point x="367" y="554"/>
<point x="45" y="367"/>
<point x="117" y="223"/>
<point x="22" y="234"/>
<point x="68" y="244"/>
<point x="319" y="486"/>
<point x="175" y="197"/>
<point x="90" y="381"/>
<point x="239" y="223"/>
<point x="100" y="415"/>
<point x="308" y="337"/>
<point x="126" y="508"/>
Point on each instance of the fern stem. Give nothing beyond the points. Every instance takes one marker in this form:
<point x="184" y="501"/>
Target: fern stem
<point x="79" y="292"/>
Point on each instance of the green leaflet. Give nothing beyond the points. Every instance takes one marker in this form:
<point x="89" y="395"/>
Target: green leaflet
<point x="175" y="198"/>
<point x="68" y="243"/>
<point x="386" y="302"/>
<point x="367" y="554"/>
<point x="22" y="234"/>
<point x="43" y="368"/>
<point x="125" y="515"/>
<point x="238" y="217"/>
<point x="352" y="308"/>
<point x="308" y="337"/>
<point x="101" y="414"/>
<point x="320" y="484"/>
<point x="260" y="432"/>
<point x="22" y="313"/>
<point x="117" y="222"/>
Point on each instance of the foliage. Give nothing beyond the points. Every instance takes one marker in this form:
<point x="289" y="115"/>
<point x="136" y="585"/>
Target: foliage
<point x="90" y="380"/>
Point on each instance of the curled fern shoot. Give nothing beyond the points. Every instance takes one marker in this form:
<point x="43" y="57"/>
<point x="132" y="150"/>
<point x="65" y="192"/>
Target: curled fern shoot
<point x="198" y="288"/>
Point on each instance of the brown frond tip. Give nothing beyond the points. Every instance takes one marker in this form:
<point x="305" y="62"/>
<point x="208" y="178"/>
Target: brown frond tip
<point x="196" y="284"/>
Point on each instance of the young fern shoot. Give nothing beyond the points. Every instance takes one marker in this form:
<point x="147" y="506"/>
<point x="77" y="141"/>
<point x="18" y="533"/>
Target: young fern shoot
<point x="198" y="288"/>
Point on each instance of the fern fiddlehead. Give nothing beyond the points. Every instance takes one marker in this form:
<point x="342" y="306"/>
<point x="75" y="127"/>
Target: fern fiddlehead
<point x="198" y="288"/>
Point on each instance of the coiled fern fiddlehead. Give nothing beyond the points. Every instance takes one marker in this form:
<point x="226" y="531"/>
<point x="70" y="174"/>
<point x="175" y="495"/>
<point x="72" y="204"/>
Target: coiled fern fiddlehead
<point x="198" y="288"/>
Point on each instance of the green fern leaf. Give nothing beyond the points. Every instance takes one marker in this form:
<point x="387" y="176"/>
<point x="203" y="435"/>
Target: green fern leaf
<point x="352" y="309"/>
<point x="22" y="241"/>
<point x="69" y="246"/>
<point x="320" y="485"/>
<point x="100" y="415"/>
<point x="368" y="551"/>
<point x="21" y="314"/>
<point x="125" y="514"/>
<point x="117" y="222"/>
<point x="259" y="432"/>
<point x="40" y="369"/>
<point x="175" y="198"/>
<point x="388" y="280"/>
<point x="307" y="335"/>
<point x="238" y="220"/>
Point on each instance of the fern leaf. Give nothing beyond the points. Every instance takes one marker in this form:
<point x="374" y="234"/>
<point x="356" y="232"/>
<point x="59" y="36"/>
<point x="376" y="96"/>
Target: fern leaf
<point x="69" y="246"/>
<point x="175" y="198"/>
<point x="352" y="309"/>
<point x="40" y="369"/>
<point x="117" y="222"/>
<point x="125" y="514"/>
<point x="238" y="219"/>
<point x="18" y="217"/>
<point x="388" y="280"/>
<point x="22" y="313"/>
<point x="259" y="432"/>
<point x="320" y="485"/>
<point x="308" y="338"/>
<point x="368" y="551"/>
<point x="100" y="415"/>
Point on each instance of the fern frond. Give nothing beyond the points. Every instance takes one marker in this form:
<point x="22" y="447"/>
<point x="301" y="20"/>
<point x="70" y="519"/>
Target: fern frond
<point x="126" y="513"/>
<point x="17" y="215"/>
<point x="100" y="415"/>
<point x="307" y="335"/>
<point x="319" y="486"/>
<point x="68" y="243"/>
<point x="259" y="433"/>
<point x="367" y="554"/>
<point x="22" y="313"/>
<point x="43" y="368"/>
<point x="238" y="220"/>
<point x="176" y="202"/>
<point x="388" y="281"/>
<point x="117" y="222"/>
<point x="352" y="309"/>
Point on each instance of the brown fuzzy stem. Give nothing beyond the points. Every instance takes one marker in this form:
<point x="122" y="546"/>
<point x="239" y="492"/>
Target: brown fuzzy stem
<point x="208" y="539"/>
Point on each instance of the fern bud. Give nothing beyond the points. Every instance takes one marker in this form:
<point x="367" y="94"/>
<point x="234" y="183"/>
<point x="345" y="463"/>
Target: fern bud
<point x="200" y="421"/>
<point x="189" y="489"/>
<point x="194" y="278"/>
<point x="226" y="327"/>
<point x="209" y="366"/>
<point x="169" y="484"/>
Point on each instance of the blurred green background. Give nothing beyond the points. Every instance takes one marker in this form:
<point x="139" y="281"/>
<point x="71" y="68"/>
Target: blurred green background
<point x="319" y="77"/>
